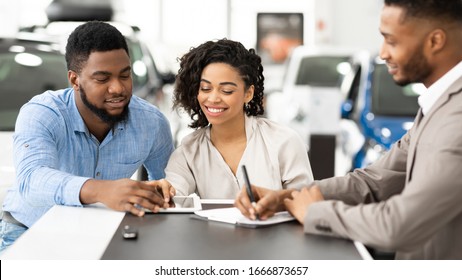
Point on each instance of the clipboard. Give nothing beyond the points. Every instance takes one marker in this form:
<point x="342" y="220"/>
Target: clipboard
<point x="232" y="215"/>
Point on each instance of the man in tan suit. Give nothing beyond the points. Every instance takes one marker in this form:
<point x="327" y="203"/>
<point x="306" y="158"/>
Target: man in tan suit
<point x="409" y="201"/>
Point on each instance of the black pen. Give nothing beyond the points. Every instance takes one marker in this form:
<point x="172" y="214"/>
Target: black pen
<point x="248" y="187"/>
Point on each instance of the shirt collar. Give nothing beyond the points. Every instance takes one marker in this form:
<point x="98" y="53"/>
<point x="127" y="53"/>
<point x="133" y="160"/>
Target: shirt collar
<point x="436" y="90"/>
<point x="77" y="124"/>
<point x="250" y="123"/>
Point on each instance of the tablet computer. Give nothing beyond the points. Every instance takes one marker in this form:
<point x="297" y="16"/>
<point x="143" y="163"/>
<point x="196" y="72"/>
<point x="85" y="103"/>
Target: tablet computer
<point x="183" y="204"/>
<point x="216" y="203"/>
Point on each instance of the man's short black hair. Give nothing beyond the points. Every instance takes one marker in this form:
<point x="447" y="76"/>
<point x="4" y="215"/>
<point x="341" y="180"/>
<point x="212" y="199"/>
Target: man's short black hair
<point x="443" y="10"/>
<point x="92" y="36"/>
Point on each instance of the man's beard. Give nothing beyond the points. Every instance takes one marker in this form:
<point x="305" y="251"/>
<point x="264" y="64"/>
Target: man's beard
<point x="416" y="70"/>
<point x="101" y="113"/>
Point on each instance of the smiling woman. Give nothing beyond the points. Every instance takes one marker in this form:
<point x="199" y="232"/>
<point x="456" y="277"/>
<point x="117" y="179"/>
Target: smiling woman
<point x="223" y="93"/>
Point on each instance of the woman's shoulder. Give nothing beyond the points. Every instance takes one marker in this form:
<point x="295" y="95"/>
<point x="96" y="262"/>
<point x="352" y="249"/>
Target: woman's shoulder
<point x="277" y="134"/>
<point x="193" y="140"/>
<point x="273" y="128"/>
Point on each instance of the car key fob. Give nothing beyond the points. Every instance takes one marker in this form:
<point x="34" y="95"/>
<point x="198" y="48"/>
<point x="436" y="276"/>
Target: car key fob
<point x="129" y="232"/>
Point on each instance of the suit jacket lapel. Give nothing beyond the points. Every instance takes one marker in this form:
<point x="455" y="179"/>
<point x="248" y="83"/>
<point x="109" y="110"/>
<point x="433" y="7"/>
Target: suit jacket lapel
<point x="412" y="144"/>
<point x="421" y="122"/>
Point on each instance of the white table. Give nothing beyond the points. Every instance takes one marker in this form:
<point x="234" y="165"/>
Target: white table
<point x="67" y="233"/>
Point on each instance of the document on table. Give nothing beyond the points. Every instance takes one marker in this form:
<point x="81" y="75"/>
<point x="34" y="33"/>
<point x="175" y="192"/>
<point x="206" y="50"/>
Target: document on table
<point x="232" y="215"/>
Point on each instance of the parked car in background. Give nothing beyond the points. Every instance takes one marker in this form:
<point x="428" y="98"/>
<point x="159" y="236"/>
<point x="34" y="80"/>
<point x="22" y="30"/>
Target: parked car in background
<point x="28" y="66"/>
<point x="382" y="110"/>
<point x="311" y="90"/>
<point x="310" y="101"/>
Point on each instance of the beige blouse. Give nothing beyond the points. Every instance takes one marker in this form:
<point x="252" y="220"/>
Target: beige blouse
<point x="275" y="158"/>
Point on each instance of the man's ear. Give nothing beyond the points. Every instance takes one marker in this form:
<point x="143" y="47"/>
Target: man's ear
<point x="437" y="39"/>
<point x="73" y="78"/>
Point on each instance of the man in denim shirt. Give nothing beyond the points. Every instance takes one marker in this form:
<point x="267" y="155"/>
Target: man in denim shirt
<point x="80" y="145"/>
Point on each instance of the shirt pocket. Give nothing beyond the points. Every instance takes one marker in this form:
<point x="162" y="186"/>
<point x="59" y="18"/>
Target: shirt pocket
<point x="124" y="169"/>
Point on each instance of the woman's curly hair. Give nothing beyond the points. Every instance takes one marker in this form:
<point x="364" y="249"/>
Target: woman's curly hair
<point x="233" y="53"/>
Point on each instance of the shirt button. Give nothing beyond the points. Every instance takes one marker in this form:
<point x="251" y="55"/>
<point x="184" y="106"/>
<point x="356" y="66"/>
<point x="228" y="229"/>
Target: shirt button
<point x="98" y="174"/>
<point x="323" y="228"/>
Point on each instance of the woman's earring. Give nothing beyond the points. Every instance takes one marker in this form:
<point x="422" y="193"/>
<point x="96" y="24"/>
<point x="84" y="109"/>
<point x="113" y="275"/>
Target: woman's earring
<point x="246" y="106"/>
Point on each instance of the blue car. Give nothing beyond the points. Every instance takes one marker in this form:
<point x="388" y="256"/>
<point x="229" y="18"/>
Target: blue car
<point x="382" y="110"/>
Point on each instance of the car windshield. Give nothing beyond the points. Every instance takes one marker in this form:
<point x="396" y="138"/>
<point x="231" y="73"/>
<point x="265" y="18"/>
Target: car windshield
<point x="321" y="71"/>
<point x="389" y="99"/>
<point x="24" y="75"/>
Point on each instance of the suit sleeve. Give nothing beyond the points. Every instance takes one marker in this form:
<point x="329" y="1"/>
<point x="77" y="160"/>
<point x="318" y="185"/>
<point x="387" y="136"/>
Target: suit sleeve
<point x="379" y="181"/>
<point x="393" y="217"/>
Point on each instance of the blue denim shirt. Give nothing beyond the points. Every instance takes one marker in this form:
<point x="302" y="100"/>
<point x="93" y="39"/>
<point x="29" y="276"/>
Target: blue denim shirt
<point x="54" y="153"/>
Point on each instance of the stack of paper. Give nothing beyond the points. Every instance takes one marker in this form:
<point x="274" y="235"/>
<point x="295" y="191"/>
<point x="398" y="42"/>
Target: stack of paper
<point x="232" y="215"/>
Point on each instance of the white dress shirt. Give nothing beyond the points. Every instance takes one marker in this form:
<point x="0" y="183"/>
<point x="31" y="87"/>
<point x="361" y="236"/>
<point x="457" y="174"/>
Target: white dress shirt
<point x="428" y="98"/>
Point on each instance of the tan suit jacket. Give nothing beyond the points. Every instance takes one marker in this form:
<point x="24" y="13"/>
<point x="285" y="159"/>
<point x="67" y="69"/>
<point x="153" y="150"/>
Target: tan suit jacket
<point x="410" y="200"/>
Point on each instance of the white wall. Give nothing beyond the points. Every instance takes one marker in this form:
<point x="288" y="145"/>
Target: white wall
<point x="356" y="23"/>
<point x="14" y="14"/>
<point x="173" y="26"/>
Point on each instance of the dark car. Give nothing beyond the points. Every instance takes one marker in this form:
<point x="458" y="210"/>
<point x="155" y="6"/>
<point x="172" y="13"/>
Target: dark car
<point x="28" y="66"/>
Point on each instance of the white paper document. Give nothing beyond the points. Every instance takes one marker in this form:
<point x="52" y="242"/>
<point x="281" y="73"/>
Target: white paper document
<point x="232" y="215"/>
